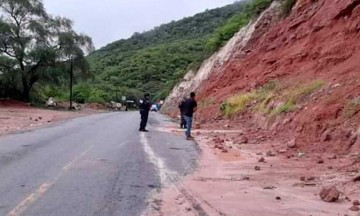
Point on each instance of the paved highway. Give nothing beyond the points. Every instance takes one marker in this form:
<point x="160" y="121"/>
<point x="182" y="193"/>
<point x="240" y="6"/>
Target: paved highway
<point x="97" y="165"/>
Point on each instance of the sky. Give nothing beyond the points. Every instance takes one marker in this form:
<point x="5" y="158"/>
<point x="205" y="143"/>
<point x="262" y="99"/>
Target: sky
<point x="110" y="20"/>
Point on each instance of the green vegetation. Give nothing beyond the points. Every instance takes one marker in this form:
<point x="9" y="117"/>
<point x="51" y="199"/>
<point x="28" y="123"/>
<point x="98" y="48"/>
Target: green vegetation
<point x="259" y="100"/>
<point x="238" y="103"/>
<point x="287" y="6"/>
<point x="232" y="26"/>
<point x="156" y="60"/>
<point x="35" y="47"/>
<point x="300" y="92"/>
<point x="152" y="61"/>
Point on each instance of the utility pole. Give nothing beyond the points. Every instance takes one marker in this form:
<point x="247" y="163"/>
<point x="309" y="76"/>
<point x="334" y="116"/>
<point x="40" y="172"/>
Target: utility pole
<point x="71" y="82"/>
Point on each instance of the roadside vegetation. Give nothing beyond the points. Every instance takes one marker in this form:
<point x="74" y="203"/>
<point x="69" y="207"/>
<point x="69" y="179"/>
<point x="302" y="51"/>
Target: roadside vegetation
<point x="272" y="99"/>
<point x="36" y="49"/>
<point x="152" y="61"/>
<point x="156" y="60"/>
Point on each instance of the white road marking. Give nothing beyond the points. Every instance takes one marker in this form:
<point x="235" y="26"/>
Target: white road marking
<point x="166" y="175"/>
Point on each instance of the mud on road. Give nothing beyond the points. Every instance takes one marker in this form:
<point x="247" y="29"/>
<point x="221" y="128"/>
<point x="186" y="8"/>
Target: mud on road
<point x="259" y="179"/>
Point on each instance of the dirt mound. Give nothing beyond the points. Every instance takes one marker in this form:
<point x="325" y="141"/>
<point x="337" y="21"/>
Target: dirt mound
<point x="95" y="106"/>
<point x="13" y="103"/>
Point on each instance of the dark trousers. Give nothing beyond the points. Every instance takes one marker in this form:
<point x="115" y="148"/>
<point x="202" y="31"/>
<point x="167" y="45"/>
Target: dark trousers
<point x="144" y="119"/>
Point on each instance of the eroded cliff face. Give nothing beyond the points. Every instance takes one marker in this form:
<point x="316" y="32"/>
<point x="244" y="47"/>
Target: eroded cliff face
<point x="235" y="47"/>
<point x="312" y="58"/>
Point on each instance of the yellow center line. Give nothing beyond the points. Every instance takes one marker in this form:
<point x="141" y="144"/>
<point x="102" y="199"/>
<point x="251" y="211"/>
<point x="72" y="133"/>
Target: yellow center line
<point x="41" y="191"/>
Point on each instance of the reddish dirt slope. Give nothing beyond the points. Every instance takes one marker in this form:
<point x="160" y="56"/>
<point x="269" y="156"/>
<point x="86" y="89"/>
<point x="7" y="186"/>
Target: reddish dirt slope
<point x="320" y="40"/>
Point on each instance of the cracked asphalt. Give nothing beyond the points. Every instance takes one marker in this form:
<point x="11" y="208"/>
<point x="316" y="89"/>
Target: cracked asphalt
<point x="96" y="165"/>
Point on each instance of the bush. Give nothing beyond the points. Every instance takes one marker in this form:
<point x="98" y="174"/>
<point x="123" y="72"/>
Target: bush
<point x="81" y="93"/>
<point x="237" y="104"/>
<point x="234" y="24"/>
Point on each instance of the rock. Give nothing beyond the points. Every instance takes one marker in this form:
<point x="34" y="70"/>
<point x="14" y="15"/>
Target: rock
<point x="278" y="198"/>
<point x="269" y="188"/>
<point x="259" y="153"/>
<point x="292" y="143"/>
<point x="312" y="178"/>
<point x="40" y="118"/>
<point x="356" y="179"/>
<point x="330" y="167"/>
<point x="244" y="140"/>
<point x="270" y="154"/>
<point x="352" y="140"/>
<point x="332" y="157"/>
<point x="302" y="178"/>
<point x="354" y="208"/>
<point x="262" y="160"/>
<point x="257" y="168"/>
<point x="51" y="102"/>
<point x="197" y="126"/>
<point x="356" y="203"/>
<point x="246" y="178"/>
<point x="326" y="136"/>
<point x="320" y="161"/>
<point x="282" y="151"/>
<point x="300" y="154"/>
<point x="329" y="194"/>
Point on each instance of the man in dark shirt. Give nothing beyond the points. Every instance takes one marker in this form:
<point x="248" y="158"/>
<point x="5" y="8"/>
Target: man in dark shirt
<point x="144" y="112"/>
<point x="181" y="108"/>
<point x="190" y="106"/>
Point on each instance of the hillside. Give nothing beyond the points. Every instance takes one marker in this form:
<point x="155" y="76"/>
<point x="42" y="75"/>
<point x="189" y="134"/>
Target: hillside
<point x="154" y="61"/>
<point x="291" y="78"/>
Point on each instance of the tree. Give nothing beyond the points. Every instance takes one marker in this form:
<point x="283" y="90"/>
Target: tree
<point x="32" y="41"/>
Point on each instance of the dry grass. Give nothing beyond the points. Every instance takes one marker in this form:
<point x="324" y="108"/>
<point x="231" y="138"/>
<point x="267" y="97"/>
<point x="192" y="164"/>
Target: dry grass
<point x="271" y="92"/>
<point x="352" y="107"/>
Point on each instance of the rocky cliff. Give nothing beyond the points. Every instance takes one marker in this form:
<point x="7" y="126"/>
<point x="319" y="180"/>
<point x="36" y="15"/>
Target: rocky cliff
<point x="194" y="79"/>
<point x="295" y="78"/>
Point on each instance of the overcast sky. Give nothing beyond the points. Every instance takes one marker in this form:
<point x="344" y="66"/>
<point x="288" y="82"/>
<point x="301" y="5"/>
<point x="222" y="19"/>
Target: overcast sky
<point x="109" y="20"/>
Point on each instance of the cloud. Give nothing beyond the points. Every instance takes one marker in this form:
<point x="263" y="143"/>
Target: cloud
<point x="109" y="20"/>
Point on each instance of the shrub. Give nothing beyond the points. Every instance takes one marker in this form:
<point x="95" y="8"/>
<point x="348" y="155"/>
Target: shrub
<point x="235" y="23"/>
<point x="298" y="93"/>
<point x="237" y="104"/>
<point x="287" y="107"/>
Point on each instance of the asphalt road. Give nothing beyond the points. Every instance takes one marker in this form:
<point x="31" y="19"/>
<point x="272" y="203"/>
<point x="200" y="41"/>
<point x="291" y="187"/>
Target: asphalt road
<point x="97" y="165"/>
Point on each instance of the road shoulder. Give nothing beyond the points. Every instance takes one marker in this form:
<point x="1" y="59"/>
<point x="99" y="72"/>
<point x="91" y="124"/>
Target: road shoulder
<point x="256" y="179"/>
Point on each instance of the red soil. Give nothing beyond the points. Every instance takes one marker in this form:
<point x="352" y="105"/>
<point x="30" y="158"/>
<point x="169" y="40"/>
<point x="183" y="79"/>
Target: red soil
<point x="318" y="41"/>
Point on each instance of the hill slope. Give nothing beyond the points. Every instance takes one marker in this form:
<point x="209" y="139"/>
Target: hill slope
<point x="156" y="60"/>
<point x="296" y="81"/>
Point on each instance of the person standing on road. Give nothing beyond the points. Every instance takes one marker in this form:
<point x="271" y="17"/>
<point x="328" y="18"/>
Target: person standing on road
<point x="181" y="108"/>
<point x="144" y="112"/>
<point x="190" y="107"/>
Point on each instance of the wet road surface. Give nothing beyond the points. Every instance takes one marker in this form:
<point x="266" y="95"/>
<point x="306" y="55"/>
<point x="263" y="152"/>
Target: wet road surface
<point x="97" y="165"/>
